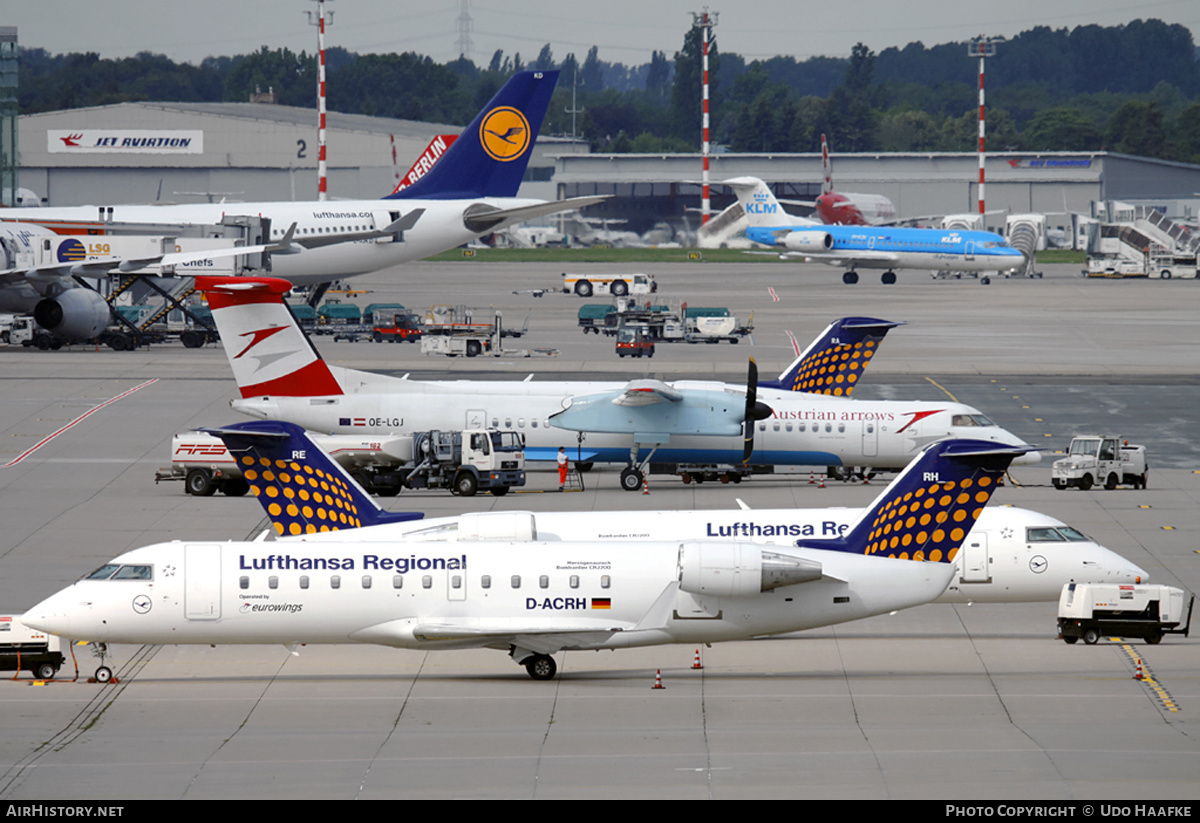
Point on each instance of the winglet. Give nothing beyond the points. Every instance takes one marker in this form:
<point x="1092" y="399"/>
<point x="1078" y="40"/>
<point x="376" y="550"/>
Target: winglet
<point x="836" y="359"/>
<point x="299" y="486"/>
<point x="267" y="350"/>
<point x="489" y="158"/>
<point x="927" y="511"/>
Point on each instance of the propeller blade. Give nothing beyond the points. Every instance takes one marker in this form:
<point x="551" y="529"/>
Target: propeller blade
<point x="749" y="418"/>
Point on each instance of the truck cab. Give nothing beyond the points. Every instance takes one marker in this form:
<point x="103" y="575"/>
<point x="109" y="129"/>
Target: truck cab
<point x="1096" y="459"/>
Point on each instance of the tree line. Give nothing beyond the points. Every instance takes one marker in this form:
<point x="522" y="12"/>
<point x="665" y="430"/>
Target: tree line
<point x="1131" y="89"/>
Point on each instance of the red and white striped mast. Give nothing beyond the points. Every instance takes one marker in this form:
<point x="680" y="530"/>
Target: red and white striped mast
<point x="982" y="47"/>
<point x="705" y="21"/>
<point x="321" y="177"/>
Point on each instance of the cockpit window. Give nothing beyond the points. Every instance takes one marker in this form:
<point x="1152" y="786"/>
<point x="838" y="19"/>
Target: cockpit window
<point x="982" y="420"/>
<point x="1074" y="535"/>
<point x="115" y="571"/>
<point x="1043" y="535"/>
<point x="970" y="420"/>
<point x="104" y="572"/>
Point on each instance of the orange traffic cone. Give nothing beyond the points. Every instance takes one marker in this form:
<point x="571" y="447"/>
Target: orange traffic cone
<point x="696" y="664"/>
<point x="658" y="679"/>
<point x="1138" y="676"/>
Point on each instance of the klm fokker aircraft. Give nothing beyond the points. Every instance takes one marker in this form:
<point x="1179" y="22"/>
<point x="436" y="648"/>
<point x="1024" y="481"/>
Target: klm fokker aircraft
<point x="531" y="598"/>
<point x="868" y="247"/>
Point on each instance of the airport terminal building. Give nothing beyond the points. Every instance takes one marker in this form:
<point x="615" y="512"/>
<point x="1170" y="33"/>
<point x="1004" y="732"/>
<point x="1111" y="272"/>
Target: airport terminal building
<point x="191" y="152"/>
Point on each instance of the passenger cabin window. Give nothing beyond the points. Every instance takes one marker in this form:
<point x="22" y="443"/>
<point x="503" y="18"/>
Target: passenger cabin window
<point x="273" y="582"/>
<point x="605" y="581"/>
<point x="516" y="581"/>
<point x="366" y="581"/>
<point x="243" y="582"/>
<point x="427" y="582"/>
<point x="397" y="581"/>
<point x="544" y="581"/>
<point x="485" y="582"/>
<point x="304" y="581"/>
<point x="335" y="581"/>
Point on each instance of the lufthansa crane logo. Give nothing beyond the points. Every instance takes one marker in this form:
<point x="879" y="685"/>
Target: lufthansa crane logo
<point x="504" y="134"/>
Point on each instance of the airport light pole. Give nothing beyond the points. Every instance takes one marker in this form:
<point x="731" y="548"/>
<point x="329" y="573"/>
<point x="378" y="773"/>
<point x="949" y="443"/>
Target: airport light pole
<point x="705" y="20"/>
<point x="982" y="47"/>
<point x="320" y="23"/>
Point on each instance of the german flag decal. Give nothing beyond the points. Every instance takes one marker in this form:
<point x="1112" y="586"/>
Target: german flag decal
<point x="601" y="603"/>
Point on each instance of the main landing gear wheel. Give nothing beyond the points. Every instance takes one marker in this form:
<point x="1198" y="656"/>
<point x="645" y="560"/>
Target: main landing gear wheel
<point x="541" y="667"/>
<point x="631" y="479"/>
<point x="850" y="278"/>
<point x="889" y="278"/>
<point x="104" y="674"/>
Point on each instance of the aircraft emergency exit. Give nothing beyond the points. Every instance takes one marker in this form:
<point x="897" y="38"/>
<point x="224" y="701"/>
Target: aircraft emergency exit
<point x="870" y="247"/>
<point x="1010" y="555"/>
<point x="282" y="377"/>
<point x="470" y="191"/>
<point x="533" y="598"/>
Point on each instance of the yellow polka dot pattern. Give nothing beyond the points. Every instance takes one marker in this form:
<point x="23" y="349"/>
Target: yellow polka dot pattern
<point x="834" y="370"/>
<point x="301" y="499"/>
<point x="930" y="522"/>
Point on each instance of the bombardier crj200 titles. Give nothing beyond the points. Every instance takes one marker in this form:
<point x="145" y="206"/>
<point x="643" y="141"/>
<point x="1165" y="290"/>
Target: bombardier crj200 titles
<point x="530" y="598"/>
<point x="869" y="247"/>
<point x="470" y="191"/>
<point x="282" y="377"/>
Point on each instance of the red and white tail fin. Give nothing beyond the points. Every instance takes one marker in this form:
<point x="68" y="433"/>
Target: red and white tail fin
<point x="436" y="148"/>
<point x="827" y="167"/>
<point x="267" y="350"/>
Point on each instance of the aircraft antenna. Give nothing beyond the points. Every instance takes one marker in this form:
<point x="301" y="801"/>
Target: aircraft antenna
<point x="320" y="24"/>
<point x="704" y="20"/>
<point x="465" y="25"/>
<point x="982" y="47"/>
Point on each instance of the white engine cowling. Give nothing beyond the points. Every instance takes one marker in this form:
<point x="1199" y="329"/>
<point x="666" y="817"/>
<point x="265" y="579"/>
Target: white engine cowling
<point x="808" y="241"/>
<point x="75" y="314"/>
<point x="739" y="569"/>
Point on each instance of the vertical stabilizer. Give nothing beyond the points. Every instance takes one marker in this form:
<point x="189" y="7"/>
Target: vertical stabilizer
<point x="835" y="361"/>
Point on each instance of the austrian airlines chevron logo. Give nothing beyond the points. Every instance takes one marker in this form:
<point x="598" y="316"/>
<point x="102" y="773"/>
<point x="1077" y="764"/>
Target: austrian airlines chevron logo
<point x="917" y="416"/>
<point x="257" y="337"/>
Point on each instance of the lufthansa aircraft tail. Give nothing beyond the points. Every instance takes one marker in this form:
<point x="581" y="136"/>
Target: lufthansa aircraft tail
<point x="835" y="361"/>
<point x="300" y="487"/>
<point x="489" y="158"/>
<point x="927" y="511"/>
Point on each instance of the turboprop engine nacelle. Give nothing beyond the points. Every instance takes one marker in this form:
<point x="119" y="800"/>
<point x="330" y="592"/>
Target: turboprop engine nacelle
<point x="808" y="241"/>
<point x="739" y="569"/>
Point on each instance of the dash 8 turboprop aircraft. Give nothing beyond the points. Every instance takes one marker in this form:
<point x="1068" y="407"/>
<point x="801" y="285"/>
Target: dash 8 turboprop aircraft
<point x="531" y="598"/>
<point x="1010" y="555"/>
<point x="282" y="377"/>
<point x="470" y="191"/>
<point x="870" y="247"/>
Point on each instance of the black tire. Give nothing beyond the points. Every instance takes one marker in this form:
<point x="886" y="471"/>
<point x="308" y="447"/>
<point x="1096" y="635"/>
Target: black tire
<point x="235" y="487"/>
<point x="377" y="337"/>
<point x="1110" y="482"/>
<point x="44" y="671"/>
<point x="985" y="281"/>
<point x="42" y="342"/>
<point x="499" y="491"/>
<point x="473" y="348"/>
<point x="541" y="667"/>
<point x="191" y="339"/>
<point x="104" y="674"/>
<point x="619" y="288"/>
<point x="119" y="342"/>
<point x="1059" y="484"/>
<point x="1091" y="636"/>
<point x="631" y="479"/>
<point x="1070" y="641"/>
<point x="686" y="478"/>
<point x="1085" y="482"/>
<point x="850" y="278"/>
<point x="889" y="278"/>
<point x="1154" y="639"/>
<point x="199" y="482"/>
<point x="583" y="288"/>
<point x="465" y="484"/>
<point x="1145" y="479"/>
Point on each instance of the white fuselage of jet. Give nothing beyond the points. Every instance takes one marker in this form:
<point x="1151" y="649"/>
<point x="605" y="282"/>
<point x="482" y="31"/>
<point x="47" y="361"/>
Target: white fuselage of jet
<point x="804" y="429"/>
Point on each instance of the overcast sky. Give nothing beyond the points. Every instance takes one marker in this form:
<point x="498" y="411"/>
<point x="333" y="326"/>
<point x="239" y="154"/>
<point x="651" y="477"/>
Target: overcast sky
<point x="626" y="31"/>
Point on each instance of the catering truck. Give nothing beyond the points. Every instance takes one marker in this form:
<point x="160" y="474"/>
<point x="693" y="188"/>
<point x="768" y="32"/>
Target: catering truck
<point x="1090" y="611"/>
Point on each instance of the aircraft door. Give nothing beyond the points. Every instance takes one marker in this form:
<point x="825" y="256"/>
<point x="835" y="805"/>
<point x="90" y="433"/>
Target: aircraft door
<point x="969" y="253"/>
<point x="202" y="582"/>
<point x="476" y="419"/>
<point x="975" y="560"/>
<point x="870" y="438"/>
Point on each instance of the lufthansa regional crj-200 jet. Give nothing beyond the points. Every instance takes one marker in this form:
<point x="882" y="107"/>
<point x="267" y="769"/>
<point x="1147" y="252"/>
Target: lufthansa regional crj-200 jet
<point x="282" y="377"/>
<point x="531" y="598"/>
<point x="870" y="247"/>
<point x="1010" y="555"/>
<point x="469" y="192"/>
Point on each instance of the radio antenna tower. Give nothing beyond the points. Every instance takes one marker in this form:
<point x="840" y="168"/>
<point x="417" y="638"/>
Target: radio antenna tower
<point x="465" y="26"/>
<point x="982" y="47"/>
<point x="320" y="23"/>
<point x="705" y="21"/>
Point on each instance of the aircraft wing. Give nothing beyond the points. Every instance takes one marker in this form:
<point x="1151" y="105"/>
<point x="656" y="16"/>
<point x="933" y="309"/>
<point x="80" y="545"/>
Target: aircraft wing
<point x="855" y="258"/>
<point x="653" y="411"/>
<point x="546" y="636"/>
<point x="484" y="218"/>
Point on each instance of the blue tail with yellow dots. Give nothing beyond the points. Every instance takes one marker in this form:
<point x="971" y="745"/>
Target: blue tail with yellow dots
<point x="489" y="158"/>
<point x="927" y="511"/>
<point x="835" y="361"/>
<point x="299" y="486"/>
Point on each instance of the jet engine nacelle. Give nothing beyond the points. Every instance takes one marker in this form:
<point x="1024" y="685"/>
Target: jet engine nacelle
<point x="75" y="314"/>
<point x="739" y="569"/>
<point x="808" y="241"/>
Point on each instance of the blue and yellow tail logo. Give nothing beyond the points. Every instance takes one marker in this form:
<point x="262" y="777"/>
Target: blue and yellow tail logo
<point x="300" y="499"/>
<point x="834" y="370"/>
<point x="71" y="251"/>
<point x="504" y="133"/>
